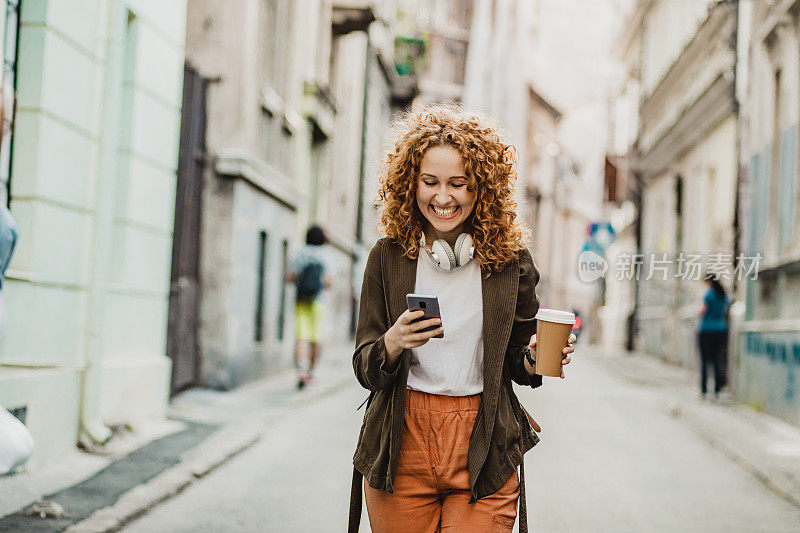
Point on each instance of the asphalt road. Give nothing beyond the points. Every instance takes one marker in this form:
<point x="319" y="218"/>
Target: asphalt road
<point x="613" y="458"/>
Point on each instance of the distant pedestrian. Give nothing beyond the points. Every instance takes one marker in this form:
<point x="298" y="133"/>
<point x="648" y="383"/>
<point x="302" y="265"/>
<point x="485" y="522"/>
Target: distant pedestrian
<point x="712" y="335"/>
<point x="444" y="432"/>
<point x="310" y="275"/>
<point x="576" y="329"/>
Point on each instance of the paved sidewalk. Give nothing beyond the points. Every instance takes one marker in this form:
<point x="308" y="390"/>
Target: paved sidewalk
<point x="124" y="490"/>
<point x="765" y="446"/>
<point x="24" y="488"/>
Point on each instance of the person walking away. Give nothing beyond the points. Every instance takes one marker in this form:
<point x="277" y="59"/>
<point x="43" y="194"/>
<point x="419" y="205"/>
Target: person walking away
<point x="310" y="275"/>
<point x="713" y="335"/>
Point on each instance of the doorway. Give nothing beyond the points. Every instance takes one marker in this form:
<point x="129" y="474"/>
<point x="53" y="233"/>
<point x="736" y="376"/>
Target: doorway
<point x="184" y="297"/>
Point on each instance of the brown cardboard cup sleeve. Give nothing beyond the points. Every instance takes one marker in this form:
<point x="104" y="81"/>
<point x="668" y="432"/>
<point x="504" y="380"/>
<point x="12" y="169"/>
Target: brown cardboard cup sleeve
<point x="553" y="329"/>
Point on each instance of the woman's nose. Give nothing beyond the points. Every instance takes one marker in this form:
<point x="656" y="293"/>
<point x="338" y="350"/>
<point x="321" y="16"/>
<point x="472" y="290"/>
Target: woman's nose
<point x="442" y="196"/>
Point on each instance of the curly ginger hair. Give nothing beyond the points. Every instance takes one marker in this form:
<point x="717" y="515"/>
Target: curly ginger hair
<point x="498" y="233"/>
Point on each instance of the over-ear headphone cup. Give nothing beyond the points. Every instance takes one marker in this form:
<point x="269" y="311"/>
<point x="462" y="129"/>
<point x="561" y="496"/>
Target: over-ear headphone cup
<point x="463" y="249"/>
<point x="442" y="249"/>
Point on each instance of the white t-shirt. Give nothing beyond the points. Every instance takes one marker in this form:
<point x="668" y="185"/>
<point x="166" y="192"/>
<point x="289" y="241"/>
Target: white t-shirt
<point x="310" y="253"/>
<point x="453" y="365"/>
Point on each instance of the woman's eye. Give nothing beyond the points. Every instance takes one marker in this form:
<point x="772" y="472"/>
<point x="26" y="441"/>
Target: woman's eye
<point x="458" y="185"/>
<point x="430" y="183"/>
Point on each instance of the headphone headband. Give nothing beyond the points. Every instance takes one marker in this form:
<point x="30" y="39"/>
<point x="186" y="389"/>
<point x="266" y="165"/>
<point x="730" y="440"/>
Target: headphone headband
<point x="447" y="258"/>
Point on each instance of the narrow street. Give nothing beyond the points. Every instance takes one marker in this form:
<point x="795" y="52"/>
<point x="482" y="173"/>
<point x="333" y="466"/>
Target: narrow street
<point x="195" y="195"/>
<point x="615" y="456"/>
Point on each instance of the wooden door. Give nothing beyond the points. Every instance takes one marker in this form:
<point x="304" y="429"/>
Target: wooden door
<point x="184" y="297"/>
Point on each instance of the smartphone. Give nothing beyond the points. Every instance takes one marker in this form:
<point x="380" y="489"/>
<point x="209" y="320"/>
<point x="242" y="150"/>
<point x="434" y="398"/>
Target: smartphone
<point x="430" y="305"/>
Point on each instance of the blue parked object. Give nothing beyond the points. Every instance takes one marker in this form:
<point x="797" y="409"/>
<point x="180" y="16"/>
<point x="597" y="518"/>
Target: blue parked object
<point x="9" y="230"/>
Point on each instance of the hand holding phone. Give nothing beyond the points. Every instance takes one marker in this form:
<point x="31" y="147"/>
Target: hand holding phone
<point x="429" y="306"/>
<point x="413" y="329"/>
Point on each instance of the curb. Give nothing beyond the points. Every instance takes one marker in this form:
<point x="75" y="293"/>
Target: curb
<point x="196" y="463"/>
<point x="213" y="452"/>
<point x="658" y="373"/>
<point x="785" y="488"/>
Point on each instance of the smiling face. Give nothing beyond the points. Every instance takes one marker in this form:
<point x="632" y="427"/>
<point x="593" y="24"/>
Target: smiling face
<point x="443" y="197"/>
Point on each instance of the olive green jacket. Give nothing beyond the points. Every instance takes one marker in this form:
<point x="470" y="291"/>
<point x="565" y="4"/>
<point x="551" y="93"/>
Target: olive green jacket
<point x="502" y="432"/>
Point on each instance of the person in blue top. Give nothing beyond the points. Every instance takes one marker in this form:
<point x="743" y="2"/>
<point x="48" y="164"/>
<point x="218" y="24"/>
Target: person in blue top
<point x="713" y="334"/>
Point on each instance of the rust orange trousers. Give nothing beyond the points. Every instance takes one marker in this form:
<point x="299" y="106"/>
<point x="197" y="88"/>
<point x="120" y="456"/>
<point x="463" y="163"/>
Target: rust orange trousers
<point x="431" y="486"/>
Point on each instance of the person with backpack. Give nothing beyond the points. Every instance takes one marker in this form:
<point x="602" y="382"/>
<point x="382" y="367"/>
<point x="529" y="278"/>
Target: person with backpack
<point x="310" y="276"/>
<point x="444" y="432"/>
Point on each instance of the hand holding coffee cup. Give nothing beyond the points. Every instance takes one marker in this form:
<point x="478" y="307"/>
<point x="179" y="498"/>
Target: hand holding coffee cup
<point x="566" y="351"/>
<point x="553" y="341"/>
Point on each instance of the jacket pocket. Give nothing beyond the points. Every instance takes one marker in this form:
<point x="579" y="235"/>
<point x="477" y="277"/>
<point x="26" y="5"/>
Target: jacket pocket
<point x="375" y="428"/>
<point x="502" y="524"/>
<point x="507" y="425"/>
<point x="527" y="428"/>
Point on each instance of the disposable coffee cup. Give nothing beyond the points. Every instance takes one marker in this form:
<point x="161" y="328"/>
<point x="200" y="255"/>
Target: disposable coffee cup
<point x="553" y="329"/>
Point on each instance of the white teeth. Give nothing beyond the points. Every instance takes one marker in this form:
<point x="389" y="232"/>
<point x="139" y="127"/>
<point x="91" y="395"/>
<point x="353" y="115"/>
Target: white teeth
<point x="443" y="212"/>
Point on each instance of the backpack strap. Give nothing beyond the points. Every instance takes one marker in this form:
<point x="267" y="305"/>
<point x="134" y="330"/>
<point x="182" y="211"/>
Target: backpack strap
<point x="355" y="490"/>
<point x="533" y="423"/>
<point x="355" y="502"/>
<point x="523" y="504"/>
<point x="523" y="507"/>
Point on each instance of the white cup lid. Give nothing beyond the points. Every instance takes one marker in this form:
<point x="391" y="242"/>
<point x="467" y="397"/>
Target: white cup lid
<point x="553" y="315"/>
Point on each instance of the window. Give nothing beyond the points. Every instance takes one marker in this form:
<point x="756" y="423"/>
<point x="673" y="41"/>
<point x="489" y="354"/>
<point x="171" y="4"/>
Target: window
<point x="271" y="106"/>
<point x="9" y="94"/>
<point x="276" y="58"/>
<point x="270" y="40"/>
<point x="262" y="264"/>
<point x="284" y="268"/>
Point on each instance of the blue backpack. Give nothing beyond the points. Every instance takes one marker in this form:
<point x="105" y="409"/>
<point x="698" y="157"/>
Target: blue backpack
<point x="309" y="281"/>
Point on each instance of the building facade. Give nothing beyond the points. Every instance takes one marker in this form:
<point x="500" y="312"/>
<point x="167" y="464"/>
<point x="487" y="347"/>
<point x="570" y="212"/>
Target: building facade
<point x="445" y="26"/>
<point x="767" y="341"/>
<point x="298" y="104"/>
<point x="369" y="91"/>
<point x="268" y="124"/>
<point x="686" y="154"/>
<point x="497" y="79"/>
<point x="541" y="171"/>
<point x="621" y="191"/>
<point x="716" y="158"/>
<point x="515" y="47"/>
<point x="89" y="173"/>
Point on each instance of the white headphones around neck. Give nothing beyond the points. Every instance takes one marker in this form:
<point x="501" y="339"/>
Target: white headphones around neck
<point x="448" y="258"/>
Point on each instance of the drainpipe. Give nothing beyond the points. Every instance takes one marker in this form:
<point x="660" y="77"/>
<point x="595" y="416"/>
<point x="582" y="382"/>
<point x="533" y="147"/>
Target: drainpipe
<point x="632" y="318"/>
<point x="362" y="164"/>
<point x="91" y="423"/>
<point x="737" y="230"/>
<point x="363" y="159"/>
<point x="736" y="315"/>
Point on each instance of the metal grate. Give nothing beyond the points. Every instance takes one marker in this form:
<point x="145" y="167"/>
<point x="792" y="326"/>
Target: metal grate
<point x="20" y="413"/>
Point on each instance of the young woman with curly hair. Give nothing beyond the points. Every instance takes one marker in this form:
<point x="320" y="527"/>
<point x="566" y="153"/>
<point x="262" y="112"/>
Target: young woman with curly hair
<point x="444" y="433"/>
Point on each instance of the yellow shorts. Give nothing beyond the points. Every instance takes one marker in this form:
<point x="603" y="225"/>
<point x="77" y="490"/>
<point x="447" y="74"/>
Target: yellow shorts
<point x="306" y="319"/>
